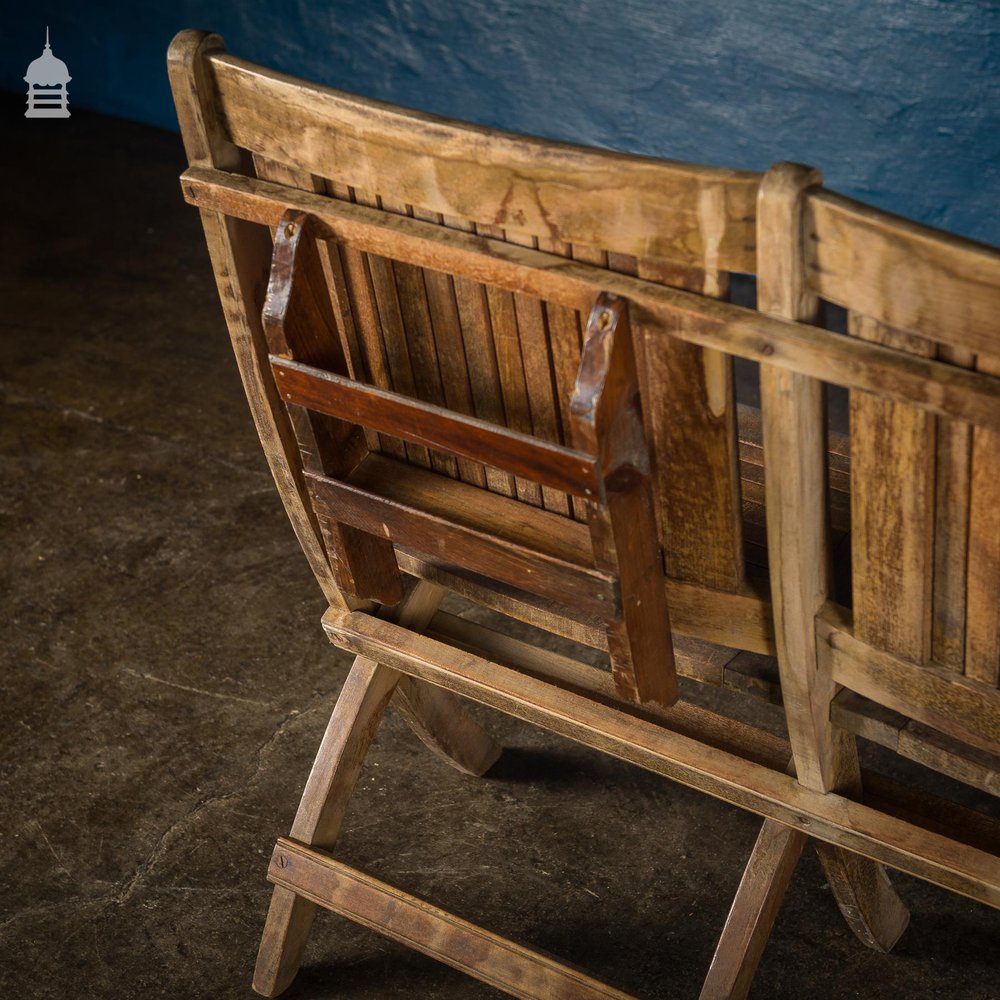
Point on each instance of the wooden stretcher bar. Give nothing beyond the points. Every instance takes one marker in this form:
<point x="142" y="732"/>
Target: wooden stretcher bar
<point x="940" y="388"/>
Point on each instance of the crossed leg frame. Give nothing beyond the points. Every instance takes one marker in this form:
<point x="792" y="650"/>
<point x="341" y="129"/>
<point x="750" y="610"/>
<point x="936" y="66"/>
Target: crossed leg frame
<point x="306" y="876"/>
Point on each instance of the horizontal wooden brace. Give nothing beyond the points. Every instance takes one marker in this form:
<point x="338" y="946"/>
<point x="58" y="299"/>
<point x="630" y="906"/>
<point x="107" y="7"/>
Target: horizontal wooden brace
<point x="479" y="953"/>
<point x="436" y="427"/>
<point x="934" y="695"/>
<point x="857" y="364"/>
<point x="916" y="741"/>
<point x="774" y="794"/>
<point x="491" y="534"/>
<point x="741" y="620"/>
<point x="565" y="672"/>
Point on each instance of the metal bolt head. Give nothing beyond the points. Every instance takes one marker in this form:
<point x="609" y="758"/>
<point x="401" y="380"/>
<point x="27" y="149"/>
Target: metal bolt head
<point x="282" y="861"/>
<point x="604" y="320"/>
<point x="290" y="230"/>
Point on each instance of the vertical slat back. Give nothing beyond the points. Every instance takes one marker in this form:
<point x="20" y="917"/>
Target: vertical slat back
<point x="982" y="647"/>
<point x="453" y="342"/>
<point x="512" y="359"/>
<point x="952" y="471"/>
<point x="446" y="321"/>
<point x="504" y="325"/>
<point x="525" y="353"/>
<point x="690" y="415"/>
<point x="925" y="490"/>
<point x="692" y="419"/>
<point x="892" y="510"/>
<point x="539" y="380"/>
<point x="565" y="344"/>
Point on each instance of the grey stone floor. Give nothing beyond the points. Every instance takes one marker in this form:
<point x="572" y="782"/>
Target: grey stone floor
<point x="165" y="681"/>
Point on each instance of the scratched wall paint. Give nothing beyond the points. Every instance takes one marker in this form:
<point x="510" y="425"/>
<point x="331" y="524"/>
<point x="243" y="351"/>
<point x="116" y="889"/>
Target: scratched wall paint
<point x="898" y="101"/>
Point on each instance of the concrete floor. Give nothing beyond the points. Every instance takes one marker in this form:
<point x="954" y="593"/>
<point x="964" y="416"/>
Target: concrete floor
<point x="165" y="680"/>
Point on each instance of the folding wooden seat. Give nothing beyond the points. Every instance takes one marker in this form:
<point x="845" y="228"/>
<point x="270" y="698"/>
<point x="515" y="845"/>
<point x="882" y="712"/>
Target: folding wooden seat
<point x="502" y="367"/>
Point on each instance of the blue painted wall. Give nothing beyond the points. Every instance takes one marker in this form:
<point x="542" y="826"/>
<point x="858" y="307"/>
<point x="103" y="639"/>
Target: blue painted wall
<point x="897" y="100"/>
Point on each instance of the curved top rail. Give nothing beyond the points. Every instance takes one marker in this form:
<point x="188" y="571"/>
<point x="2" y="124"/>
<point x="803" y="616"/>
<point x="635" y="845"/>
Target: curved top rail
<point x="628" y="204"/>
<point x="906" y="275"/>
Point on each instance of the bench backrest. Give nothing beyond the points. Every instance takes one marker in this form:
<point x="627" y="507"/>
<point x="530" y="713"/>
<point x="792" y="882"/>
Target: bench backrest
<point x="458" y="266"/>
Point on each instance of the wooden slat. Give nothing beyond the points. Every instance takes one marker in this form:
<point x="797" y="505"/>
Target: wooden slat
<point x="941" y="388"/>
<point x="477" y="339"/>
<point x="974" y="766"/>
<point x="983" y="609"/>
<point x="451" y="357"/>
<point x="943" y="753"/>
<point x="755" y="908"/>
<point x="490" y="534"/>
<point x="827" y="816"/>
<point x="933" y="812"/>
<point x="701" y="661"/>
<point x="684" y="717"/>
<point x="361" y="307"/>
<point x="695" y="215"/>
<point x="917" y="742"/>
<point x="346" y="319"/>
<point x="934" y="695"/>
<point x="691" y="417"/>
<point x="740" y="620"/>
<point x="752" y="494"/>
<point x="892" y="512"/>
<point x="437" y="428"/>
<point x="441" y="935"/>
<point x="838" y="470"/>
<point x="510" y="366"/>
<point x="411" y="293"/>
<point x="904" y="275"/>
<point x="953" y="468"/>
<point x="533" y="334"/>
<point x="391" y="328"/>
<point x="564" y="329"/>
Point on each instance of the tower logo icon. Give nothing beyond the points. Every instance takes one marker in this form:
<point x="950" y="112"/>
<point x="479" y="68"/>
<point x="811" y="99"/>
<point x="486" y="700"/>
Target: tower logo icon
<point x="47" y="77"/>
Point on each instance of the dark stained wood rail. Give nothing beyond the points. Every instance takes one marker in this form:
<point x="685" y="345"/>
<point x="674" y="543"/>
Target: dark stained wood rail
<point x="437" y="428"/>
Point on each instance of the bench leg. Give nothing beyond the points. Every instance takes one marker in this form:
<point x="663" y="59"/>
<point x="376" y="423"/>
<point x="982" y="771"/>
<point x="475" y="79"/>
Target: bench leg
<point x="334" y="774"/>
<point x="289" y="920"/>
<point x="438" y="718"/>
<point x="753" y="912"/>
<point x="348" y="737"/>
<point x="867" y="900"/>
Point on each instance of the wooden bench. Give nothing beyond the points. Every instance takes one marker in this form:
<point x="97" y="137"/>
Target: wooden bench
<point x="503" y="367"/>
